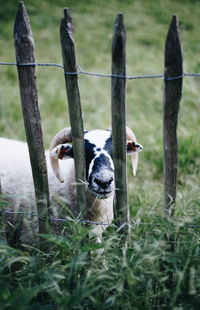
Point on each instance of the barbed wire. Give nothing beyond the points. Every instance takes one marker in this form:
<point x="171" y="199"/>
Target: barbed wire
<point x="81" y="71"/>
<point x="52" y="218"/>
<point x="62" y="220"/>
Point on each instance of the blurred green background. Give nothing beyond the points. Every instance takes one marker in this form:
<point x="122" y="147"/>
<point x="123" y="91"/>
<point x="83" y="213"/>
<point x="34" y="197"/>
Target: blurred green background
<point x="147" y="23"/>
<point x="124" y="277"/>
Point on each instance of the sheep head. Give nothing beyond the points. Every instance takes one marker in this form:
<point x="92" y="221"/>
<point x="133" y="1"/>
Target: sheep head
<point x="99" y="158"/>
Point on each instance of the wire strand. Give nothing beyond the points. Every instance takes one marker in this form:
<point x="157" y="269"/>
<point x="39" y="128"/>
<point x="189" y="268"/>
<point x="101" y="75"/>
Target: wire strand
<point x="61" y="220"/>
<point x="81" y="71"/>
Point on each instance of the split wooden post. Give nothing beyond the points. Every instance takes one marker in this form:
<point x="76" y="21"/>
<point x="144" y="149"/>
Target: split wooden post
<point x="2" y="214"/>
<point x="118" y="100"/>
<point x="74" y="104"/>
<point x="171" y="100"/>
<point x="25" y="53"/>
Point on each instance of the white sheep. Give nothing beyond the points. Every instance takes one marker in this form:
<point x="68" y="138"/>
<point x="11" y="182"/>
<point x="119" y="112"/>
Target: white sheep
<point x="17" y="183"/>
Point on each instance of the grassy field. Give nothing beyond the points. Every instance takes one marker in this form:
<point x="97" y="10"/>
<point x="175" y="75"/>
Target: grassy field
<point x="66" y="277"/>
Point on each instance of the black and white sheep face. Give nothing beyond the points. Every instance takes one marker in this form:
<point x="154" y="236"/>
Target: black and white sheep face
<point x="99" y="160"/>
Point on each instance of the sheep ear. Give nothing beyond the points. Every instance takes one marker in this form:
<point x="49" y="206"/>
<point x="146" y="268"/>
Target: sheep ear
<point x="62" y="151"/>
<point x="133" y="147"/>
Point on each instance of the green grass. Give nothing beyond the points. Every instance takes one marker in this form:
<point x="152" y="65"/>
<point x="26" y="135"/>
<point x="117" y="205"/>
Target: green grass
<point x="157" y="269"/>
<point x="67" y="277"/>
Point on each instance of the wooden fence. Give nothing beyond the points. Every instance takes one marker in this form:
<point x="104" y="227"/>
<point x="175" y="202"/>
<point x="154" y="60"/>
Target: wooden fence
<point x="24" y="45"/>
<point x="24" y="49"/>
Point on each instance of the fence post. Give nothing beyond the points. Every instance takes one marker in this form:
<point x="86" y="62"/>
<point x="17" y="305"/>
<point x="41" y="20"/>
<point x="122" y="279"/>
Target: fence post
<point x="24" y="49"/>
<point x="74" y="104"/>
<point x="171" y="100"/>
<point x="118" y="101"/>
<point x="2" y="214"/>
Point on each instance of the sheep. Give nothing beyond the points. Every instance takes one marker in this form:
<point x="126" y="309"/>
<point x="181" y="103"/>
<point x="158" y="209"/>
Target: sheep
<point x="17" y="183"/>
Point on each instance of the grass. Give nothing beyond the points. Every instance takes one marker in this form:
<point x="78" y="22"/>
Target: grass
<point x="67" y="277"/>
<point x="133" y="276"/>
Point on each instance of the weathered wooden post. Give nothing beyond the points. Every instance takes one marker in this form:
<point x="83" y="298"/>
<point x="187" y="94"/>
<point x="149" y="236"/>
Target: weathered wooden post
<point x="24" y="48"/>
<point x="171" y="100"/>
<point x="2" y="214"/>
<point x="74" y="104"/>
<point x="118" y="100"/>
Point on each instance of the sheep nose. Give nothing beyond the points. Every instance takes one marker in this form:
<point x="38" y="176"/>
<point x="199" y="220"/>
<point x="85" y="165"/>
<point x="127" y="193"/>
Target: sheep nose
<point x="103" y="183"/>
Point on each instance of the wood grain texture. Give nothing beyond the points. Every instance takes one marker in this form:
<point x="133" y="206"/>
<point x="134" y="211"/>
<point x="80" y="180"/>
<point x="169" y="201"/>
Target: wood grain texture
<point x="74" y="104"/>
<point x="171" y="101"/>
<point x="118" y="101"/>
<point x="24" y="49"/>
